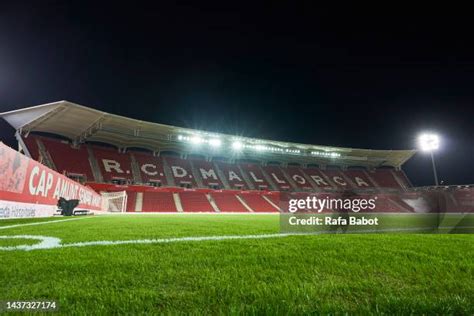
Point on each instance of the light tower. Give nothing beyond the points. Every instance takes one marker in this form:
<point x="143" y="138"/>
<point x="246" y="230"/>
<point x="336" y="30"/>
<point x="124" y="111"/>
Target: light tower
<point x="429" y="143"/>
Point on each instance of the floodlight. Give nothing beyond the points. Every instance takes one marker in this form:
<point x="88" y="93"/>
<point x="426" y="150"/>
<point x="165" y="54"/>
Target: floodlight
<point x="236" y="145"/>
<point x="196" y="140"/>
<point x="215" y="142"/>
<point x="428" y="142"/>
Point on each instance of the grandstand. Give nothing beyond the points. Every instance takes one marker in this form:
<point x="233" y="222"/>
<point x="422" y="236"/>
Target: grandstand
<point x="172" y="169"/>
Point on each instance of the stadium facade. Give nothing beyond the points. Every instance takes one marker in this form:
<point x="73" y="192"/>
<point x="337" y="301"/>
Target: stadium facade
<point x="173" y="169"/>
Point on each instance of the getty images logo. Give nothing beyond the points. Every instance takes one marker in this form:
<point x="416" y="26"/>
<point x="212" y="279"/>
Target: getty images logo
<point x="315" y="204"/>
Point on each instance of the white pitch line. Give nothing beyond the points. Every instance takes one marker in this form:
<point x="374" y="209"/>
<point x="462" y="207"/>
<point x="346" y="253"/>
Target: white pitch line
<point x="174" y="239"/>
<point x="42" y="223"/>
<point x="52" y="242"/>
<point x="45" y="242"/>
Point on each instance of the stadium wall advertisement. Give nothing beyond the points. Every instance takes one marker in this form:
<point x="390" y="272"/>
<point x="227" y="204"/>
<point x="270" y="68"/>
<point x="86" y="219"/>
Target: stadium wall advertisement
<point x="30" y="189"/>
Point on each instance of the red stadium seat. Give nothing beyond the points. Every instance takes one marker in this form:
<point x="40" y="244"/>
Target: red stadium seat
<point x="277" y="177"/>
<point x="228" y="202"/>
<point x="68" y="160"/>
<point x="255" y="176"/>
<point x="151" y="168"/>
<point x="181" y="171"/>
<point x="318" y="178"/>
<point x="298" y="178"/>
<point x="158" y="202"/>
<point x="388" y="203"/>
<point x="113" y="165"/>
<point x="332" y="183"/>
<point x="384" y="178"/>
<point x="233" y="175"/>
<point x="257" y="203"/>
<point x="302" y="195"/>
<point x="195" y="202"/>
<point x="208" y="173"/>
<point x="457" y="201"/>
<point x="337" y="178"/>
<point x="359" y="178"/>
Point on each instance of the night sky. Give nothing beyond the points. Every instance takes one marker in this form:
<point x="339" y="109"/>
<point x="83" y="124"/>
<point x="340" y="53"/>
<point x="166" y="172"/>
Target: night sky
<point x="372" y="77"/>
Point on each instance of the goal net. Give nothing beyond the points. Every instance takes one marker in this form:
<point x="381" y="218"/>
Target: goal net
<point x="114" y="201"/>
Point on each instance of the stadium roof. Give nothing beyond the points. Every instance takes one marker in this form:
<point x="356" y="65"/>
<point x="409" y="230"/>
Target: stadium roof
<point x="83" y="124"/>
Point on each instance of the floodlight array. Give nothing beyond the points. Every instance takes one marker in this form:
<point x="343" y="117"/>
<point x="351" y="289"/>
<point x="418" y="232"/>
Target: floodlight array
<point x="257" y="145"/>
<point x="196" y="140"/>
<point x="328" y="154"/>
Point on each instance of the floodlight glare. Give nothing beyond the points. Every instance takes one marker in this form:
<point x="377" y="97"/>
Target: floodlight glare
<point x="237" y="145"/>
<point x="215" y="142"/>
<point x="196" y="140"/>
<point x="428" y="142"/>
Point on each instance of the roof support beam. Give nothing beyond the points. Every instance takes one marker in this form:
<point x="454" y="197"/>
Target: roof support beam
<point x="89" y="131"/>
<point x="37" y="121"/>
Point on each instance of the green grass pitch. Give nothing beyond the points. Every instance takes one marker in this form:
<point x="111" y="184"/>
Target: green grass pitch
<point x="321" y="274"/>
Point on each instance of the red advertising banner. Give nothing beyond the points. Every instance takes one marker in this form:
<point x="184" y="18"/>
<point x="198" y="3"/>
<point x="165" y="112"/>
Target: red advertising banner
<point x="30" y="189"/>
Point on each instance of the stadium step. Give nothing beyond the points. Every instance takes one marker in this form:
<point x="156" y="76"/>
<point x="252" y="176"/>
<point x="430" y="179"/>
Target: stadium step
<point x="257" y="202"/>
<point x="327" y="179"/>
<point x="246" y="178"/>
<point x="268" y="179"/>
<point x="289" y="179"/>
<point x="244" y="203"/>
<point x="400" y="205"/>
<point x="212" y="202"/>
<point x="221" y="176"/>
<point x="46" y="158"/>
<point x="385" y="179"/>
<point x="271" y="203"/>
<point x="404" y="175"/>
<point x="169" y="175"/>
<point x="135" y="169"/>
<point x="139" y="202"/>
<point x="310" y="181"/>
<point x="94" y="165"/>
<point x="399" y="181"/>
<point x="177" y="202"/>
<point x="348" y="180"/>
<point x="370" y="179"/>
<point x="196" y="174"/>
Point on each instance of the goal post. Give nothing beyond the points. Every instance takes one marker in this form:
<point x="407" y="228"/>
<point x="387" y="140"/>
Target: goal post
<point x="115" y="202"/>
